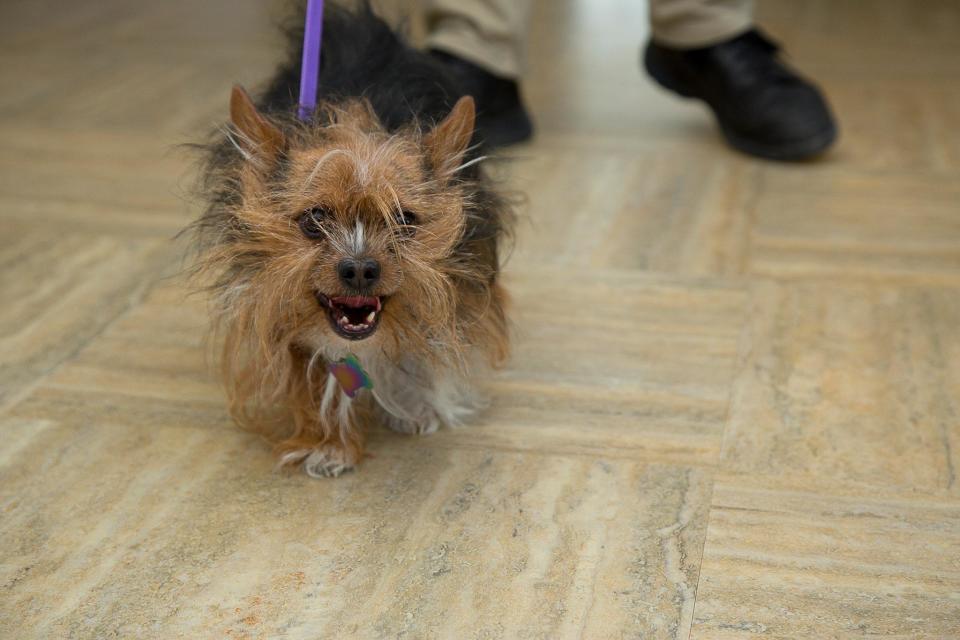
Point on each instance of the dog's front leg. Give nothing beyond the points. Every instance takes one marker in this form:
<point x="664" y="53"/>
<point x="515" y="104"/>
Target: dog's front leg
<point x="414" y="399"/>
<point x="327" y="438"/>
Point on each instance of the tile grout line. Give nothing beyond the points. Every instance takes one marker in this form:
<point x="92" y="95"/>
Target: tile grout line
<point x="135" y="295"/>
<point x="739" y="364"/>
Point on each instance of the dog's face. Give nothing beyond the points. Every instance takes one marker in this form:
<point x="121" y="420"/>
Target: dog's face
<point x="345" y="232"/>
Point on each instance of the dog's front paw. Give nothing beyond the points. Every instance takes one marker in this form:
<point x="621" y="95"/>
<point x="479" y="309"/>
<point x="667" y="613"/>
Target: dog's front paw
<point x="322" y="462"/>
<point x="327" y="462"/>
<point x="422" y="427"/>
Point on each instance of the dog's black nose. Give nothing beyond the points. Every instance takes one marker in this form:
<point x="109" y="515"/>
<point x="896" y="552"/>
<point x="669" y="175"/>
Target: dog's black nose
<point x="359" y="275"/>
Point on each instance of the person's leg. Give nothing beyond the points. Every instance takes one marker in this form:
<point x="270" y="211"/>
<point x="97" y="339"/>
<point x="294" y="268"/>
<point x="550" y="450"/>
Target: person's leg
<point x="687" y="24"/>
<point x="710" y="50"/>
<point x="489" y="33"/>
<point x="483" y="44"/>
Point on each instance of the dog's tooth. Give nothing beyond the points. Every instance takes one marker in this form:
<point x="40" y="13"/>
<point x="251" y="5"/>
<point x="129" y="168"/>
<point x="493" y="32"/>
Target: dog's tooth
<point x="371" y="317"/>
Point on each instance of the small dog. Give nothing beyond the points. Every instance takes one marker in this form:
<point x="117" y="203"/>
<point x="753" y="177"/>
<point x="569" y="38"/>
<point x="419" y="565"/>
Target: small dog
<point x="368" y="231"/>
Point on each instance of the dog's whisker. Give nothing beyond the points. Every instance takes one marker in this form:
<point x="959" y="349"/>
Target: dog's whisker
<point x="467" y="164"/>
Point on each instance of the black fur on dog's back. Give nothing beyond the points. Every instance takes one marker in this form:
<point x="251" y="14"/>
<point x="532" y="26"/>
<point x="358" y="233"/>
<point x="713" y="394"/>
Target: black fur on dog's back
<point x="361" y="56"/>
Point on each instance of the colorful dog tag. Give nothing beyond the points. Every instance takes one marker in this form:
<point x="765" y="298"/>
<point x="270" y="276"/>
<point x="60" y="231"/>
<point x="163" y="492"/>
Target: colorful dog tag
<point x="350" y="375"/>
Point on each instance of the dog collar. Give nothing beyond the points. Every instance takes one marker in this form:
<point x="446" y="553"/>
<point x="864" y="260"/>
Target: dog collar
<point x="350" y="375"/>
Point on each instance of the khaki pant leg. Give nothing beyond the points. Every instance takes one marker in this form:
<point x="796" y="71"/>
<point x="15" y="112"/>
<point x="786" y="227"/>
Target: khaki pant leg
<point x="489" y="33"/>
<point x="688" y="24"/>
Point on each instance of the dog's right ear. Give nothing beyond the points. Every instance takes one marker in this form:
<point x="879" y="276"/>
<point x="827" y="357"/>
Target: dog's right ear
<point x="448" y="141"/>
<point x="258" y="136"/>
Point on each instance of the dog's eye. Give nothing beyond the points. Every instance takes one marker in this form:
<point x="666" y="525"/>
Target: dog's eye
<point x="407" y="221"/>
<point x="311" y="220"/>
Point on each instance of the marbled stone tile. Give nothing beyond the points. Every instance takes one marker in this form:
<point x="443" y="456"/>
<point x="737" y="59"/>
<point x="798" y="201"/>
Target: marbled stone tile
<point x="607" y="361"/>
<point x="867" y="106"/>
<point x="60" y="290"/>
<point x="944" y="113"/>
<point x="95" y="181"/>
<point x="583" y="76"/>
<point x="82" y="405"/>
<point x="850" y="382"/>
<point x="824" y="560"/>
<point x="639" y="208"/>
<point x="114" y="530"/>
<point x="160" y="349"/>
<point x="178" y="62"/>
<point x="840" y="37"/>
<point x="823" y="221"/>
<point x="152" y="367"/>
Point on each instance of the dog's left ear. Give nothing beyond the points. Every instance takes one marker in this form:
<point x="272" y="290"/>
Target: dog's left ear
<point x="449" y="140"/>
<point x="259" y="137"/>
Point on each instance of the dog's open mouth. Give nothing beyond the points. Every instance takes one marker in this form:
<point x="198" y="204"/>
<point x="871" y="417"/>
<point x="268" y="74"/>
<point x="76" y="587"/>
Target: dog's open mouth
<point x="353" y="317"/>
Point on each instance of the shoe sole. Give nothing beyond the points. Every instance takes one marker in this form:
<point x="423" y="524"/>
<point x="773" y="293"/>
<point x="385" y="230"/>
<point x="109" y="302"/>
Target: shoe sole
<point x="784" y="152"/>
<point x="793" y="151"/>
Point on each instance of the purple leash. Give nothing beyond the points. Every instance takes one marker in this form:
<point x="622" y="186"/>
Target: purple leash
<point x="310" y="65"/>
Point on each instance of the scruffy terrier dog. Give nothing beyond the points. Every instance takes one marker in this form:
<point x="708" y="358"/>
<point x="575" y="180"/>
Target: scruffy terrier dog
<point x="368" y="230"/>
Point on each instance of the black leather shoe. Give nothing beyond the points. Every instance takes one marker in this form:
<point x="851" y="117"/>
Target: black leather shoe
<point x="502" y="119"/>
<point x="763" y="107"/>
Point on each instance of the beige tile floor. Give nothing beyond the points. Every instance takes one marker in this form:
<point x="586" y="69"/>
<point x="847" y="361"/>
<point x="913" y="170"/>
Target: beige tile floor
<point x="748" y="424"/>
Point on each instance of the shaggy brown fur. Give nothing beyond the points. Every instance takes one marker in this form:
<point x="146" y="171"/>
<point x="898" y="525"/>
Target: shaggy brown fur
<point x="290" y="201"/>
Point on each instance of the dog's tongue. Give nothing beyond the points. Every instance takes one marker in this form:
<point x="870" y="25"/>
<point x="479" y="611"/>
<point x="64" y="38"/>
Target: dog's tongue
<point x="355" y="302"/>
